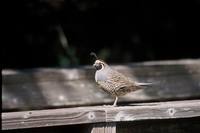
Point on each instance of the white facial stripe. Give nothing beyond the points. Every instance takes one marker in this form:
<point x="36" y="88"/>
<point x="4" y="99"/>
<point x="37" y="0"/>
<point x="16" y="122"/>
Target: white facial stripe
<point x="97" y="62"/>
<point x="102" y="66"/>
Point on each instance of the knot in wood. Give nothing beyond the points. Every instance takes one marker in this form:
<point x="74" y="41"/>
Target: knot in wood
<point x="91" y="115"/>
<point x="27" y="115"/>
<point x="171" y="111"/>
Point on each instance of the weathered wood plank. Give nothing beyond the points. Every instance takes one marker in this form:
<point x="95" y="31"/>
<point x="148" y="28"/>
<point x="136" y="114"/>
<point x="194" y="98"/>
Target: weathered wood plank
<point x="104" y="128"/>
<point x="162" y="110"/>
<point x="43" y="118"/>
<point x="94" y="114"/>
<point x="51" y="88"/>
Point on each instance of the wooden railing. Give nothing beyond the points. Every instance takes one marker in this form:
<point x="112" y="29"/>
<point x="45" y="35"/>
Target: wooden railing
<point x="53" y="97"/>
<point x="96" y="114"/>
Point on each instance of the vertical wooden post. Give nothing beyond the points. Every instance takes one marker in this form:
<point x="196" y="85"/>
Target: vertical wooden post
<point x="104" y="128"/>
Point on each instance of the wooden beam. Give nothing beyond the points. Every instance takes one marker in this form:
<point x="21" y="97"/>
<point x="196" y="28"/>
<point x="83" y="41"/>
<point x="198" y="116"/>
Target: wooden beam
<point x="104" y="128"/>
<point x="53" y="88"/>
<point x="96" y="114"/>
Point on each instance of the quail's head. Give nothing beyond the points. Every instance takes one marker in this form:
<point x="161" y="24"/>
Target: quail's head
<point x="102" y="69"/>
<point x="99" y="65"/>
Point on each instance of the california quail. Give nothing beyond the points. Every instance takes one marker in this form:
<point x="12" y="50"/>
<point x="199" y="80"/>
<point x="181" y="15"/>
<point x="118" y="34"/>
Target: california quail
<point x="113" y="82"/>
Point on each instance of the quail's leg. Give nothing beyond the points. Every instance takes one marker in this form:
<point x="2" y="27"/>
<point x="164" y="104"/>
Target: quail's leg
<point x="115" y="103"/>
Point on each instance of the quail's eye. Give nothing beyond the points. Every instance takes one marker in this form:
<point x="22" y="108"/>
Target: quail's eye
<point x="98" y="66"/>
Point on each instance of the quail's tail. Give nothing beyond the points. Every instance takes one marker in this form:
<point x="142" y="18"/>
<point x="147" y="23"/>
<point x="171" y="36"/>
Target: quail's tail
<point x="144" y="84"/>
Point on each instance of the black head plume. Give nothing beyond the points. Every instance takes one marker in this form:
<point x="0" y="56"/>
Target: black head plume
<point x="93" y="54"/>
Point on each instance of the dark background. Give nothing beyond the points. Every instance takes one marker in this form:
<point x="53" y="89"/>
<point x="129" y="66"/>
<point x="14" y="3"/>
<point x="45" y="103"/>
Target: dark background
<point x="62" y="33"/>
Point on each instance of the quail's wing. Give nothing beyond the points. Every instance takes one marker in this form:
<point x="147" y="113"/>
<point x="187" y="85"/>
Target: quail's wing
<point x="122" y="84"/>
<point x="117" y="84"/>
<point x="118" y="79"/>
<point x="107" y="86"/>
<point x="114" y="82"/>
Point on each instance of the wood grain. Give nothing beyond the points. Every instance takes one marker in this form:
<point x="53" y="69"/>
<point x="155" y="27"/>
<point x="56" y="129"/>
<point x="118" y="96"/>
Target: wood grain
<point x="44" y="88"/>
<point x="96" y="114"/>
<point x="104" y="128"/>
